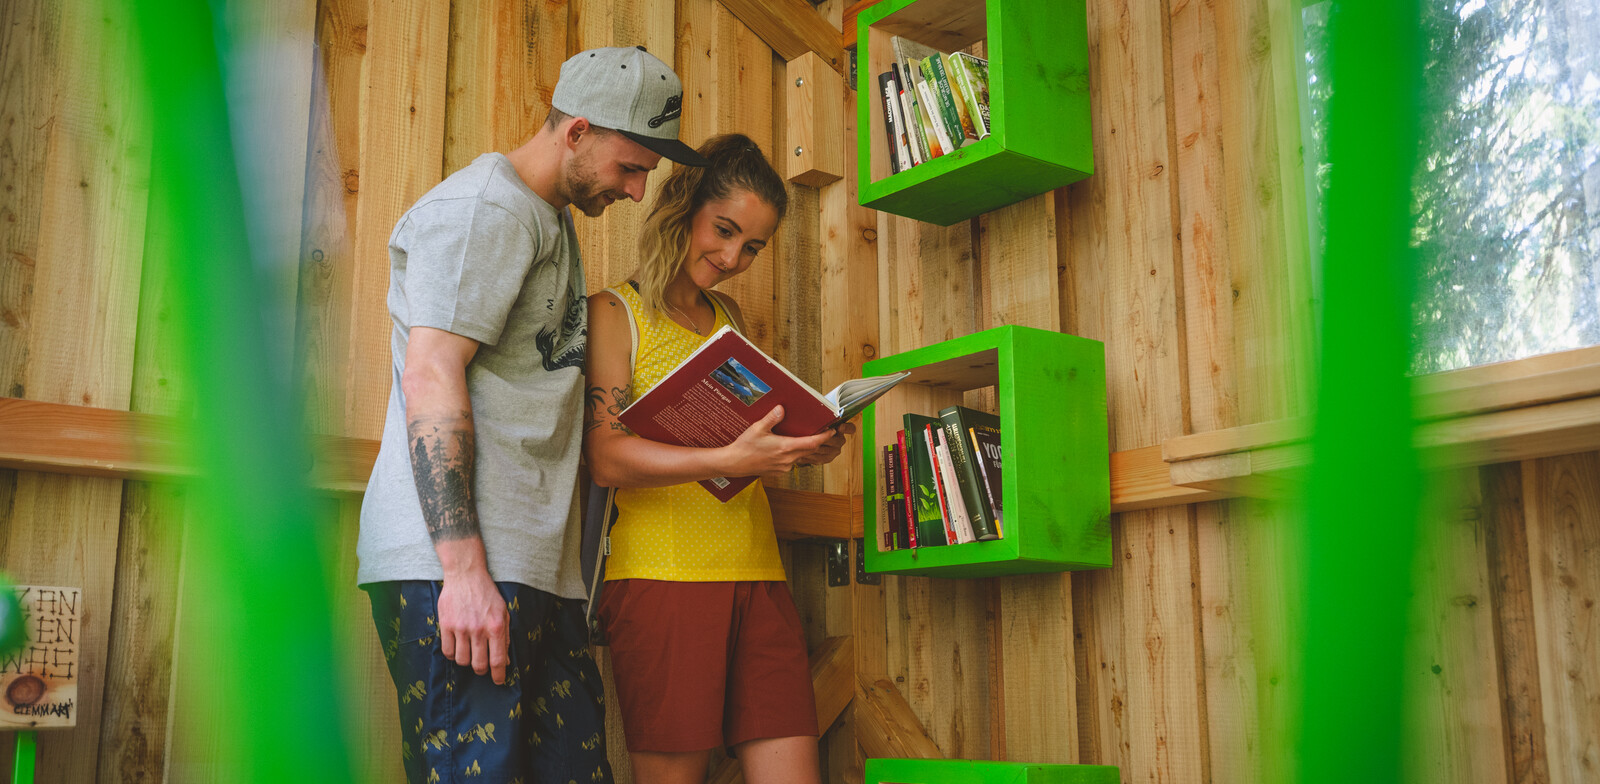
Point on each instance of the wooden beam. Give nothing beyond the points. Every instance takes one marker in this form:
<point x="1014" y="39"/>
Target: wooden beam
<point x="813" y="152"/>
<point x="847" y="30"/>
<point x="84" y="441"/>
<point x="1141" y="479"/>
<point x="791" y="28"/>
<point x="886" y="726"/>
<point x="833" y="675"/>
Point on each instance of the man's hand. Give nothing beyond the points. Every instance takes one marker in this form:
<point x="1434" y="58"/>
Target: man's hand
<point x="474" y="625"/>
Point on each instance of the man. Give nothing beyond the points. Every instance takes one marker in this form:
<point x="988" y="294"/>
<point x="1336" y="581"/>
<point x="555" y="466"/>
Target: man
<point x="469" y="530"/>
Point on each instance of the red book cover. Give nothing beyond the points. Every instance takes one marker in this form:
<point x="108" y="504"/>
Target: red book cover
<point x="727" y="385"/>
<point x="905" y="471"/>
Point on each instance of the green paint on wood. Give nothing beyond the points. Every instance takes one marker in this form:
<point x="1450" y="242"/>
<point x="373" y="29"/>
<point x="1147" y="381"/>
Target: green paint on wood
<point x="1039" y="109"/>
<point x="923" y="771"/>
<point x="1054" y="445"/>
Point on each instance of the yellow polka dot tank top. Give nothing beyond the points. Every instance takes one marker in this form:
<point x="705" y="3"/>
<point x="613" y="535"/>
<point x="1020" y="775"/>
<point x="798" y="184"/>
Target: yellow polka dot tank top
<point x="682" y="533"/>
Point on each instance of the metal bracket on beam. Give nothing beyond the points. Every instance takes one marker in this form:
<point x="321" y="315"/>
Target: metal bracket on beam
<point x="838" y="562"/>
<point x="862" y="575"/>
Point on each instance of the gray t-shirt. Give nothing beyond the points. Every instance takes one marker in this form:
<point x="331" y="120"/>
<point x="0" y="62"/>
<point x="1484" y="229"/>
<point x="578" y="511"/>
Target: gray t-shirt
<point x="482" y="256"/>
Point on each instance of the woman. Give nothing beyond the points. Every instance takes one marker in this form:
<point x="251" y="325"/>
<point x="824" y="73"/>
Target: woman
<point x="706" y="646"/>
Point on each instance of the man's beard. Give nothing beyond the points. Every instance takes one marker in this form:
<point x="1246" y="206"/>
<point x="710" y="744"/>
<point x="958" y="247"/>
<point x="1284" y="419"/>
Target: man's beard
<point x="583" y="188"/>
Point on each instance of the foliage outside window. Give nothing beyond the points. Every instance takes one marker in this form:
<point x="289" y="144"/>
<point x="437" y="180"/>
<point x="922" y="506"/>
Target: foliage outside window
<point x="1506" y="199"/>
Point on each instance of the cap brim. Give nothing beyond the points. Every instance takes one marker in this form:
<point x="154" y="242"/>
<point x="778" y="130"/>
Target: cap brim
<point x="671" y="149"/>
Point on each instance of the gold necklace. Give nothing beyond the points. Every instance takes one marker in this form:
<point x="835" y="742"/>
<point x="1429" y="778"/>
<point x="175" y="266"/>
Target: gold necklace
<point x="692" y="323"/>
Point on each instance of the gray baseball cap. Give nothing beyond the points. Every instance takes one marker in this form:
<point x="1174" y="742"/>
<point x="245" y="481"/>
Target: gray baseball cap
<point x="630" y="91"/>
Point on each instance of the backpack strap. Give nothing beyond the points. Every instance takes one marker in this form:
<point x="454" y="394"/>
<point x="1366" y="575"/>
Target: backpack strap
<point x="717" y="297"/>
<point x="633" y="327"/>
<point x="602" y="511"/>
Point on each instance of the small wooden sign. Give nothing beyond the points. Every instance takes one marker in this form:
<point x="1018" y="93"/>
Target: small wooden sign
<point x="39" y="682"/>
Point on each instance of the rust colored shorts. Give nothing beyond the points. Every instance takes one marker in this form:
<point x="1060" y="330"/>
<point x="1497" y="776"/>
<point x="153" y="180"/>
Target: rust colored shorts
<point x="702" y="665"/>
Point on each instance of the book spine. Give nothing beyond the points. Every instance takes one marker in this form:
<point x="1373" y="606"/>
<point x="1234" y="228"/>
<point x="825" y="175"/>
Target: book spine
<point x="905" y="473"/>
<point x="931" y="438"/>
<point x="943" y="99"/>
<point x="915" y="144"/>
<point x="989" y="454"/>
<point x="959" y="101"/>
<point x="929" y="112"/>
<point x="978" y="108"/>
<point x="959" y="521"/>
<point x="965" y="460"/>
<point x="891" y="128"/>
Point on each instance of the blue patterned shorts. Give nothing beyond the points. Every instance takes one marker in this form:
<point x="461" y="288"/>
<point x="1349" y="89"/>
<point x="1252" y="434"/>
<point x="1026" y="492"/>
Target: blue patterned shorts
<point x="545" y="724"/>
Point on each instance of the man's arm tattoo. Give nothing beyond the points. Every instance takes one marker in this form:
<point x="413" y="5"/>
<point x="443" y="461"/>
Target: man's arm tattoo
<point x="442" y="451"/>
<point x="596" y="400"/>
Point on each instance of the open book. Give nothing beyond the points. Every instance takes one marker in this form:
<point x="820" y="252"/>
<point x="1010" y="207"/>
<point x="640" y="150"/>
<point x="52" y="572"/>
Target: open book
<point x="726" y="385"/>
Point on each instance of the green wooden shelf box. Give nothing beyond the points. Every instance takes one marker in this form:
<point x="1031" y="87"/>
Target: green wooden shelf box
<point x="924" y="771"/>
<point x="1038" y="53"/>
<point x="1054" y="445"/>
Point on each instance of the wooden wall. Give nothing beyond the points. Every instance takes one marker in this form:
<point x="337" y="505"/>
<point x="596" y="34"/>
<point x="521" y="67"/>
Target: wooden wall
<point x="1184" y="254"/>
<point x="1180" y="253"/>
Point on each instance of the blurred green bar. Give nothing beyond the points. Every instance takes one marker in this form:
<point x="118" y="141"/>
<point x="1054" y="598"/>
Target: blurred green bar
<point x="1364" y="486"/>
<point x="22" y="763"/>
<point x="256" y="647"/>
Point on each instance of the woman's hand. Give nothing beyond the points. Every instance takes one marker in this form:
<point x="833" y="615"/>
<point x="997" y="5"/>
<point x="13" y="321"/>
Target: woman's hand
<point x="761" y="452"/>
<point x="830" y="448"/>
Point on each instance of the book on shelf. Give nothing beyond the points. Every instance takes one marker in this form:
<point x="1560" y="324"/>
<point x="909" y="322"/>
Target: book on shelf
<point x="728" y="384"/>
<point x="930" y="113"/>
<point x="954" y="499"/>
<point x="909" y="54"/>
<point x="929" y="136"/>
<point x="892" y="536"/>
<point x="892" y="127"/>
<point x="931" y="440"/>
<point x="909" y="519"/>
<point x="922" y="482"/>
<point x="972" y="77"/>
<point x="958" y="421"/>
<point x="916" y="145"/>
<point x="956" y="126"/>
<point x="986" y="448"/>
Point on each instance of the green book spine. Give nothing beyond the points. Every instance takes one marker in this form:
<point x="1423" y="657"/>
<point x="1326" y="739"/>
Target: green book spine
<point x="958" y="97"/>
<point x="920" y="486"/>
<point x="939" y="84"/>
<point x="957" y="420"/>
<point x="972" y="75"/>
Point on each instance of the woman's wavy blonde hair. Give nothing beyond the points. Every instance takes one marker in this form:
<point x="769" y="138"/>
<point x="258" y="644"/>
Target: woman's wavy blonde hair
<point x="737" y="164"/>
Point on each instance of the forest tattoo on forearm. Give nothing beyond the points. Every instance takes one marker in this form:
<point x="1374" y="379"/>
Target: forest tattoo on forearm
<point x="442" y="450"/>
<point x="611" y="401"/>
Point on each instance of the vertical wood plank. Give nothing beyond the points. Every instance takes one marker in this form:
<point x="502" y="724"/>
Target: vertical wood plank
<point x="610" y="242"/>
<point x="848" y="307"/>
<point x="80" y="339"/>
<point x="1038" y="704"/>
<point x="1516" y="635"/>
<point x="333" y="186"/>
<point x="29" y="40"/>
<point x="1454" y="723"/>
<point x="267" y="68"/>
<point x="134" y="730"/>
<point x="1271" y="305"/>
<point x="1124" y="265"/>
<point x="1563" y="515"/>
<point x="402" y="152"/>
<point x="374" y="737"/>
<point x="505" y="58"/>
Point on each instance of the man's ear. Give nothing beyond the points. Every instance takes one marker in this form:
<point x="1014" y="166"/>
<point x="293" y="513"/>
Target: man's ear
<point x="576" y="128"/>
